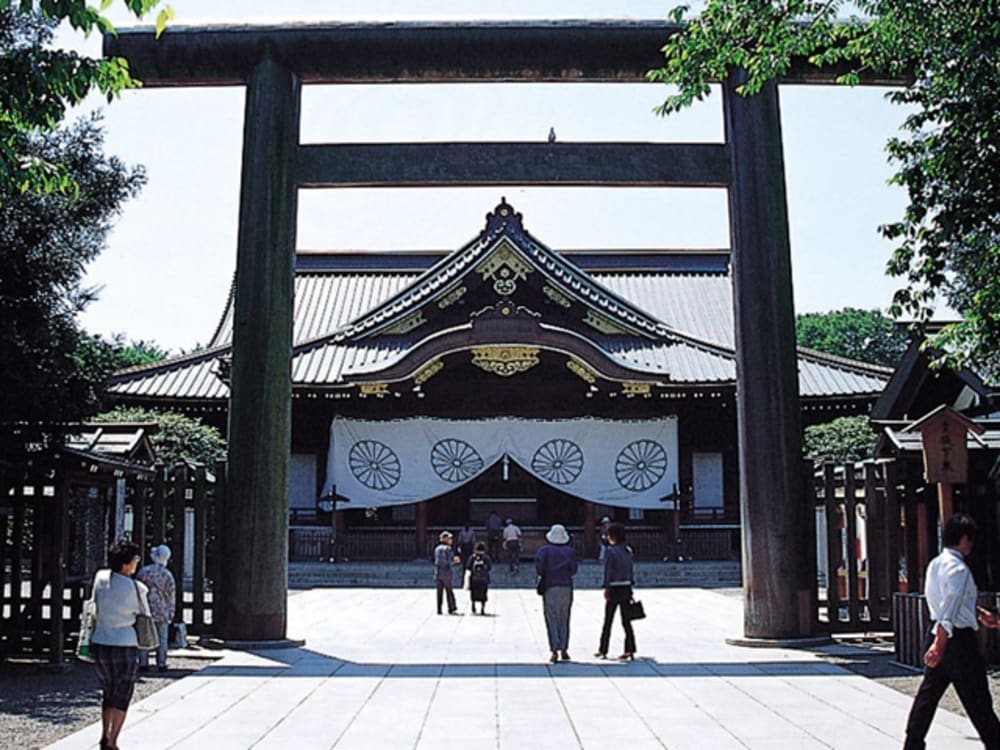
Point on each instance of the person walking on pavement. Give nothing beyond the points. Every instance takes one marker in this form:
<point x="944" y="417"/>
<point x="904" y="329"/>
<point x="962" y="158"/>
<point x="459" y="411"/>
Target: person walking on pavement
<point x="118" y="599"/>
<point x="162" y="601"/>
<point x="512" y="543"/>
<point x="952" y="656"/>
<point x="617" y="591"/>
<point x="556" y="565"/>
<point x="494" y="533"/>
<point x="444" y="579"/>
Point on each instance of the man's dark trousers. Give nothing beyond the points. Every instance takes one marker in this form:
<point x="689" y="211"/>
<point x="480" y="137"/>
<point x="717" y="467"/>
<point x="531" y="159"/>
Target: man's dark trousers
<point x="961" y="666"/>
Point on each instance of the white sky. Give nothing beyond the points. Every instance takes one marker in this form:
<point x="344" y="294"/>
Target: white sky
<point x="169" y="264"/>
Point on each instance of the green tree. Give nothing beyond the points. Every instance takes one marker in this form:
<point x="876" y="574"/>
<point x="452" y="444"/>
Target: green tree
<point x="179" y="438"/>
<point x="947" y="155"/>
<point x="864" y="335"/>
<point x="134" y="353"/>
<point x="40" y="83"/>
<point x="841" y="440"/>
<point x="50" y="369"/>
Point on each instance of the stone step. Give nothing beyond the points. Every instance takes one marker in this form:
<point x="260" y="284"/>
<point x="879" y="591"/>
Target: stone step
<point x="694" y="574"/>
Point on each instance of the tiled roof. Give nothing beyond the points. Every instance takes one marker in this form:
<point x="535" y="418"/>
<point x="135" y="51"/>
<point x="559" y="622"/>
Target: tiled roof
<point x="911" y="441"/>
<point x="678" y="309"/>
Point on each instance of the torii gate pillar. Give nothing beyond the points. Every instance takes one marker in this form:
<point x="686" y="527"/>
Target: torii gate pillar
<point x="777" y="590"/>
<point x="255" y="541"/>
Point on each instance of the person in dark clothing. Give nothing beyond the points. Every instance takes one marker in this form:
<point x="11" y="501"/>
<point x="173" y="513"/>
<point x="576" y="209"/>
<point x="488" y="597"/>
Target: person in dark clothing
<point x="466" y="543"/>
<point x="952" y="656"/>
<point x="556" y="565"/>
<point x="479" y="567"/>
<point x="617" y="591"/>
<point x="494" y="533"/>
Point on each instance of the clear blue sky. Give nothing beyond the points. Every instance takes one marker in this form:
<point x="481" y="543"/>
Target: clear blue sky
<point x="167" y="270"/>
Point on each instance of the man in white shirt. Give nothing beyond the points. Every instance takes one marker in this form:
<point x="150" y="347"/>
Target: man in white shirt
<point x="953" y="654"/>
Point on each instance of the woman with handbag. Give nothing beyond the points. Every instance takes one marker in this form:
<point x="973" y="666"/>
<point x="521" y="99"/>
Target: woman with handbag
<point x="162" y="602"/>
<point x="119" y="601"/>
<point x="617" y="591"/>
<point x="556" y="565"/>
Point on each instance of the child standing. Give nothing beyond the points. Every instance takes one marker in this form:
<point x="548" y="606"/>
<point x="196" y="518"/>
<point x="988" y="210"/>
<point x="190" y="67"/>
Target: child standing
<point x="479" y="567"/>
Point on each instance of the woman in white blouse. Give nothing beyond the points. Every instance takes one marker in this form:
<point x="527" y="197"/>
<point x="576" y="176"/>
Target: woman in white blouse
<point x="118" y="599"/>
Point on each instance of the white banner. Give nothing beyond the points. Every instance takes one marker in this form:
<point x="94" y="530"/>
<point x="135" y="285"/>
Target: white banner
<point x="630" y="464"/>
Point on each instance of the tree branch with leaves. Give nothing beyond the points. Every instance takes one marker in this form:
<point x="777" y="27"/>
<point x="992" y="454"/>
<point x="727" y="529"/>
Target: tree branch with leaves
<point x="40" y="84"/>
<point x="947" y="155"/>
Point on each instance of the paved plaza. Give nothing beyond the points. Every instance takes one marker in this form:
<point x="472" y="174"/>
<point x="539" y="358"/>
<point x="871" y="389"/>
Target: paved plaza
<point x="381" y="670"/>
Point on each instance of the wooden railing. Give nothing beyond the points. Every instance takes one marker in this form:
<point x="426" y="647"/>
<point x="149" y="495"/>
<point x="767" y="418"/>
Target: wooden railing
<point x="314" y="543"/>
<point x="911" y="623"/>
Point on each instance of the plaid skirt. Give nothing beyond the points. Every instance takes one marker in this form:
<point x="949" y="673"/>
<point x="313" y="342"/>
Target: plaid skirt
<point x="118" y="670"/>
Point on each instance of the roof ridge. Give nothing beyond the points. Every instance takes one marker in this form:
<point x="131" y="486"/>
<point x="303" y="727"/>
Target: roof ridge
<point x="170" y="363"/>
<point x="854" y="364"/>
<point x="225" y="309"/>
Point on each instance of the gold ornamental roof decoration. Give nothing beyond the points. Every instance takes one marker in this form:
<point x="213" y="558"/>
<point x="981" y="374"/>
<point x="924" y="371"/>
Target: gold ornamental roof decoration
<point x="505" y="267"/>
<point x="505" y="361"/>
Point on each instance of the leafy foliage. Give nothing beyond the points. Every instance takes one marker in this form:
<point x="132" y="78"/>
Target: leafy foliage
<point x="50" y="370"/>
<point x="41" y="83"/>
<point x="134" y="353"/>
<point x="842" y="440"/>
<point x="179" y="438"/>
<point x="864" y="335"/>
<point x="947" y="156"/>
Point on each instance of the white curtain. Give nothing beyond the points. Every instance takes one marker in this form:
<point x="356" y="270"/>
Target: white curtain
<point x="630" y="464"/>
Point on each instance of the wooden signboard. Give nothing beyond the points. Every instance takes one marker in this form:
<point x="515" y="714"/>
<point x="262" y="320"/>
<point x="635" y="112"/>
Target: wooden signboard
<point x="946" y="456"/>
<point x="943" y="435"/>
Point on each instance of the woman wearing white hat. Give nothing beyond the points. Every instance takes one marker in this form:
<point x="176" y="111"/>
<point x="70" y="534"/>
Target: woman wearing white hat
<point x="162" y="601"/>
<point x="556" y="565"/>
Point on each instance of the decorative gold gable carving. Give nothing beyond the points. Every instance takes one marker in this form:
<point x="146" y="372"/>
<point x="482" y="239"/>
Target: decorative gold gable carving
<point x="556" y="296"/>
<point x="504" y="266"/>
<point x="581" y="370"/>
<point x="452" y="296"/>
<point x="407" y="324"/>
<point x="505" y="360"/>
<point x="632" y="388"/>
<point x="602" y="324"/>
<point x="374" y="389"/>
<point x="428" y="371"/>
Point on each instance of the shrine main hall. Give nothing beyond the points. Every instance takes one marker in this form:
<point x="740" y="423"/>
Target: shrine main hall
<point x="429" y="389"/>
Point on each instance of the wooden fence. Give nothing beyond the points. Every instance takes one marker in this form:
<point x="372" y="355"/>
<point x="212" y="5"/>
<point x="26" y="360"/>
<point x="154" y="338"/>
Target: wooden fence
<point x="858" y="531"/>
<point x="57" y="531"/>
<point x="912" y="623"/>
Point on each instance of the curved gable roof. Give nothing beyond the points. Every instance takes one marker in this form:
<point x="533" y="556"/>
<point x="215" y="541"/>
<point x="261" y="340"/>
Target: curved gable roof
<point x="672" y="317"/>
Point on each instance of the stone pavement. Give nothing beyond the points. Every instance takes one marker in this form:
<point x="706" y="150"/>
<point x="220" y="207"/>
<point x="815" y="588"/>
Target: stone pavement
<point x="381" y="670"/>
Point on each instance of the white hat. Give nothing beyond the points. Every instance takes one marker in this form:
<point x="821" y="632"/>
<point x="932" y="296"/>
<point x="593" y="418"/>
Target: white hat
<point x="557" y="534"/>
<point x="160" y="554"/>
<point x="605" y="520"/>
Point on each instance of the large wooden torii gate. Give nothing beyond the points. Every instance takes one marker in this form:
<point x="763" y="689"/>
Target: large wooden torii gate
<point x="273" y="62"/>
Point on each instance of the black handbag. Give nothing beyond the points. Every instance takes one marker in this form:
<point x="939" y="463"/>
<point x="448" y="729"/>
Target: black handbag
<point x="633" y="610"/>
<point x="540" y="585"/>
